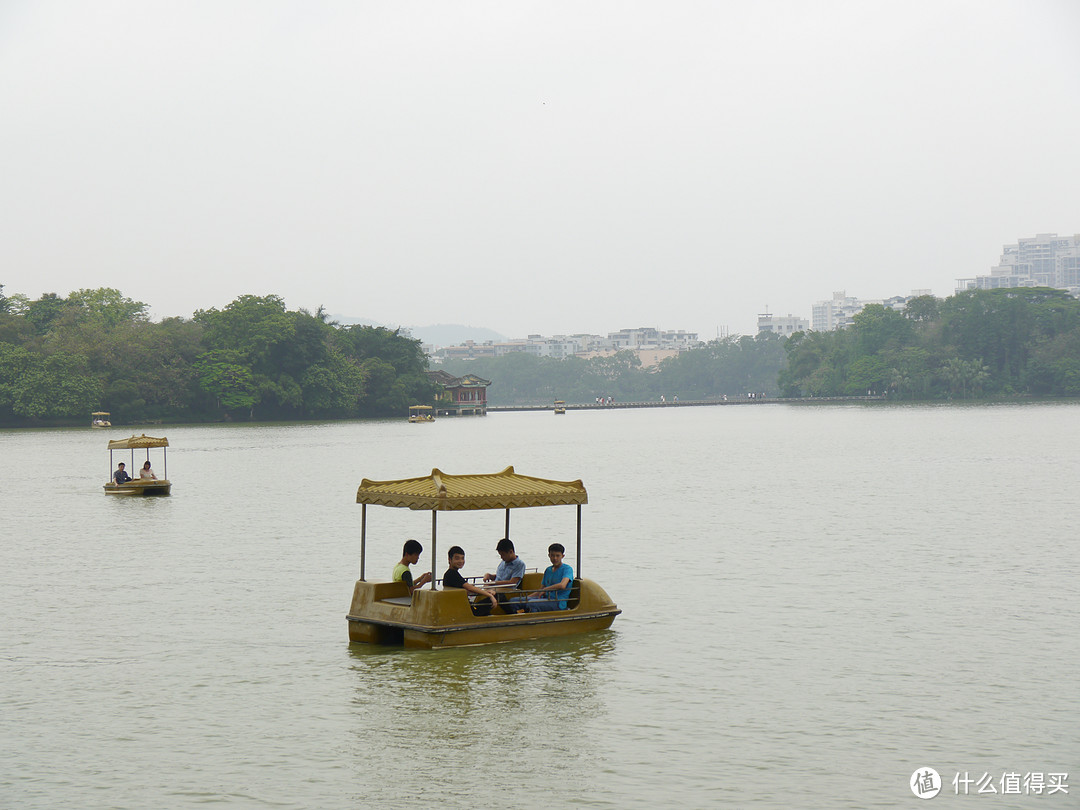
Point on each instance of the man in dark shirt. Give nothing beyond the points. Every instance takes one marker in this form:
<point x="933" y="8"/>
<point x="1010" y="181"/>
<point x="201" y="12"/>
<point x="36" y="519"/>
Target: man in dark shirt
<point x="453" y="579"/>
<point x="120" y="476"/>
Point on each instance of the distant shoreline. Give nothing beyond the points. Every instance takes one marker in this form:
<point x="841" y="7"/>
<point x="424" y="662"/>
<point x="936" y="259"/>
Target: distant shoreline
<point x="692" y="403"/>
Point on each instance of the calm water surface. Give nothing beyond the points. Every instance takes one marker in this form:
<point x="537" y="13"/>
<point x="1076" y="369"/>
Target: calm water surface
<point x="817" y="601"/>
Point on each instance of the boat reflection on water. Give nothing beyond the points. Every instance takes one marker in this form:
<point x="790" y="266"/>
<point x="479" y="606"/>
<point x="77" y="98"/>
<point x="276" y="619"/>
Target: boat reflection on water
<point x="500" y="702"/>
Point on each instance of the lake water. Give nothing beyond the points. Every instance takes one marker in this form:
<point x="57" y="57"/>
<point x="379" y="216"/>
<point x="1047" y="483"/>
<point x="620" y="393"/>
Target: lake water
<point x="817" y="601"/>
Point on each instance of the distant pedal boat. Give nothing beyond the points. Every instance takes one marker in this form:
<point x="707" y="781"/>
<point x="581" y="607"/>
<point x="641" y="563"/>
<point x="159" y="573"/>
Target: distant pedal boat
<point x="139" y="486"/>
<point x="386" y="613"/>
<point x="421" y="413"/>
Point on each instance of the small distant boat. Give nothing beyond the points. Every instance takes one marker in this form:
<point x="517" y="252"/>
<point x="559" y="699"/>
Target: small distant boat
<point x="387" y="613"/>
<point x="560" y="406"/>
<point x="100" y="419"/>
<point x="139" y="485"/>
<point x="421" y="413"/>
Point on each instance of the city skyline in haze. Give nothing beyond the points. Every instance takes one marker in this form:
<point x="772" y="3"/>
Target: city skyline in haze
<point x="531" y="168"/>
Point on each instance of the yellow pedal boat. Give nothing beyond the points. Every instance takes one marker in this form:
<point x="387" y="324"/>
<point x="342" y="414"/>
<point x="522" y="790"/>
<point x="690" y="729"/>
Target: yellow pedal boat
<point x="386" y="613"/>
<point x="421" y="413"/>
<point x="138" y="485"/>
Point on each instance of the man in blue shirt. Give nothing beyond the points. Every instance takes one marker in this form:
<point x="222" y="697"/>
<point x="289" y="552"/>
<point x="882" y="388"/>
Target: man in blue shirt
<point x="555" y="586"/>
<point x="510" y="572"/>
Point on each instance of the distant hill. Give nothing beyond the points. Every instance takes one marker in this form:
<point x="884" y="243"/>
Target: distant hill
<point x="453" y="334"/>
<point x="441" y="334"/>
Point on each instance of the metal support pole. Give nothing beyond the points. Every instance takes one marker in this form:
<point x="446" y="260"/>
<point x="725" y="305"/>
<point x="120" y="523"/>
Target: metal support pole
<point x="363" y="537"/>
<point x="579" y="540"/>
<point x="506" y="533"/>
<point x="433" y="514"/>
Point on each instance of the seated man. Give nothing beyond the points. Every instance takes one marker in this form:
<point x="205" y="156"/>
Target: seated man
<point x="120" y="476"/>
<point x="453" y="579"/>
<point x="558" y="578"/>
<point x="510" y="572"/>
<point x="410" y="555"/>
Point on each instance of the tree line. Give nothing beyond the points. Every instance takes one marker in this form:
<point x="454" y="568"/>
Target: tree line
<point x="976" y="343"/>
<point x="62" y="358"/>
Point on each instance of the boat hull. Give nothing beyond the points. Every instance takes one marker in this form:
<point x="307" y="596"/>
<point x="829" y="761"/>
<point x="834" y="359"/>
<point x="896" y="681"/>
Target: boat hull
<point x="384" y="613"/>
<point x="139" y="487"/>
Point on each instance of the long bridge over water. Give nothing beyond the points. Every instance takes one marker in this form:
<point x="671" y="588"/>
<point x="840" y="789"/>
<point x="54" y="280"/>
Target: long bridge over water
<point x="691" y="403"/>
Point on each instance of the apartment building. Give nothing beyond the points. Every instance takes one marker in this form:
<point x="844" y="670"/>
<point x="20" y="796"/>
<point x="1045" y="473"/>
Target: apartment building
<point x="784" y="325"/>
<point x="1044" y="260"/>
<point x="660" y="343"/>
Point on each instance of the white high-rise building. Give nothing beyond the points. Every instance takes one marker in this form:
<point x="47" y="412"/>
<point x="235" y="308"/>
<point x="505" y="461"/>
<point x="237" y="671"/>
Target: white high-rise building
<point x="836" y="312"/>
<point x="1045" y="260"/>
<point x="785" y="325"/>
<point x="839" y="312"/>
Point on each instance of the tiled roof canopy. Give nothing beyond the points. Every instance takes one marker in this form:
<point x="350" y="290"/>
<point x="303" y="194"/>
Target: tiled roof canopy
<point x="448" y="380"/>
<point x="442" y="492"/>
<point x="138" y="443"/>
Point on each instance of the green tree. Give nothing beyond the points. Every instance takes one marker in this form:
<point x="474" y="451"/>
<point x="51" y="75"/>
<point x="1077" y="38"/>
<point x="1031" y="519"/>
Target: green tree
<point x="43" y="312"/>
<point x="53" y="387"/>
<point x="107" y="306"/>
<point x="877" y="328"/>
<point x="866" y="375"/>
<point x="333" y="388"/>
<point x="923" y="309"/>
<point x="224" y="376"/>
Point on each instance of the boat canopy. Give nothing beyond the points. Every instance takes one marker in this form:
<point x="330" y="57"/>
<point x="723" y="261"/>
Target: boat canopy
<point x="440" y="492"/>
<point x="138" y="443"/>
<point x="100" y="413"/>
<point x="419" y="407"/>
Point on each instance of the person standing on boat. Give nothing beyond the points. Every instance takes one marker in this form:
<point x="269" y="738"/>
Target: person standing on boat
<point x="120" y="476"/>
<point x="555" y="586"/>
<point x="410" y="555"/>
<point x="510" y="571"/>
<point x="146" y="472"/>
<point x="453" y="579"/>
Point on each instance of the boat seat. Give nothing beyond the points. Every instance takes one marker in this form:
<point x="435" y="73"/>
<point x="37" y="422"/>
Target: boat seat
<point x="575" y="595"/>
<point x="398" y="600"/>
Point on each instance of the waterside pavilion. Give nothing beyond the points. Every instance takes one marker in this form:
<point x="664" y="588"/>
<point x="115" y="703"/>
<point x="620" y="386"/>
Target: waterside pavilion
<point x="462" y="396"/>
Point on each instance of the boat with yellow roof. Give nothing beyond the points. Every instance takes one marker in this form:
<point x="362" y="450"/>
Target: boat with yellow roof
<point x="386" y="613"/>
<point x="421" y="413"/>
<point x="139" y="485"/>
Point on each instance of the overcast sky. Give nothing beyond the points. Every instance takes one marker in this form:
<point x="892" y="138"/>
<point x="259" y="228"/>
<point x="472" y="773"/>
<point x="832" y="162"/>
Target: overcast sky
<point x="533" y="167"/>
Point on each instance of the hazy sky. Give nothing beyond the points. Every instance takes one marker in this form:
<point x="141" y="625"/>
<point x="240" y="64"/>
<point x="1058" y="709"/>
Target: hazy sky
<point x="532" y="167"/>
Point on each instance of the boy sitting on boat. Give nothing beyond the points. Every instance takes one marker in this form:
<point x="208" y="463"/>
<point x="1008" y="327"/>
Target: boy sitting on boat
<point x="555" y="586"/>
<point x="410" y="555"/>
<point x="453" y="579"/>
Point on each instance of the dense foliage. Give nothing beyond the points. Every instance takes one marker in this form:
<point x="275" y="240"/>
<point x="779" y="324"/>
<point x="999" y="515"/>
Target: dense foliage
<point x="731" y="366"/>
<point x="976" y="343"/>
<point x="61" y="358"/>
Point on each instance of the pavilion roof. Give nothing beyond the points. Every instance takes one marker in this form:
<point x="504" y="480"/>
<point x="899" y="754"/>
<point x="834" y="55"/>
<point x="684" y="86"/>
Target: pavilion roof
<point x="444" y="492"/>
<point x="138" y="443"/>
